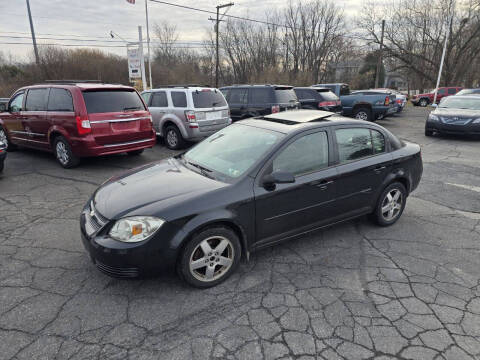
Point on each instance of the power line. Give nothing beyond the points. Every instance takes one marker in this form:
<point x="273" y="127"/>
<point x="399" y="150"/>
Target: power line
<point x="93" y="45"/>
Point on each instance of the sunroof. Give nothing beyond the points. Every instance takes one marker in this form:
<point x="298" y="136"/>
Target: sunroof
<point x="298" y="116"/>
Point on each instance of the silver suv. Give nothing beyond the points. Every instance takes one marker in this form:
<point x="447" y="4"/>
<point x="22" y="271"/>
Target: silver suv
<point x="186" y="113"/>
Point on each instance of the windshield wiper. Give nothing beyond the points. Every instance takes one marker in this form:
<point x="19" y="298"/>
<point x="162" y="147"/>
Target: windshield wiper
<point x="203" y="170"/>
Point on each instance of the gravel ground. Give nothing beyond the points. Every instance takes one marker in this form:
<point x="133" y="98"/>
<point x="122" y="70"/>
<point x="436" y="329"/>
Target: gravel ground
<point x="352" y="291"/>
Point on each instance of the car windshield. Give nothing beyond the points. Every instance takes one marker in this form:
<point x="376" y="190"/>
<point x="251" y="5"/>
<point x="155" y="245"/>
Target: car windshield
<point x="103" y="101"/>
<point x="231" y="151"/>
<point x="468" y="91"/>
<point x="455" y="102"/>
<point x="285" y="95"/>
<point x="208" y="99"/>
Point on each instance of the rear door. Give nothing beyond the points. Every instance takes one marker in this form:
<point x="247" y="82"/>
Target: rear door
<point x="260" y="101"/>
<point x="117" y="116"/>
<point x="60" y="110"/>
<point x="35" y="117"/>
<point x="158" y="106"/>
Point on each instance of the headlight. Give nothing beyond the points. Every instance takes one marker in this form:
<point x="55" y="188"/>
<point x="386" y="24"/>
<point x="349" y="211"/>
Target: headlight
<point x="135" y="228"/>
<point x="433" y="117"/>
<point x="476" y="121"/>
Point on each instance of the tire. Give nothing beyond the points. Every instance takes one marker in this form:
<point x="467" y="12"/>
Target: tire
<point x="5" y="140"/>
<point x="201" y="249"/>
<point x="135" y="152"/>
<point x="2" y="164"/>
<point x="428" y="132"/>
<point x="363" y="113"/>
<point x="423" y="102"/>
<point x="63" y="153"/>
<point x="390" y="205"/>
<point x="173" y="138"/>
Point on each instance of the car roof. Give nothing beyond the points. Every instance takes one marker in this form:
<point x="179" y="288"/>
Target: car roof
<point x="257" y="85"/>
<point x="315" y="88"/>
<point x="176" y="88"/>
<point x="298" y="120"/>
<point x="466" y="96"/>
<point x="81" y="85"/>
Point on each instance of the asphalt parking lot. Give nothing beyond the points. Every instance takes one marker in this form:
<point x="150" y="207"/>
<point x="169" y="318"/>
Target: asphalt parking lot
<point x="353" y="291"/>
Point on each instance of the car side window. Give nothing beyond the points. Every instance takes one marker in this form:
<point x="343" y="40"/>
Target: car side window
<point x="36" y="100"/>
<point x="261" y="96"/>
<point x="353" y="144"/>
<point x="146" y="97"/>
<point x="378" y="142"/>
<point x="179" y="99"/>
<point x="60" y="100"/>
<point x="452" y="91"/>
<point x="344" y="90"/>
<point x="304" y="155"/>
<point x="441" y="91"/>
<point x="239" y="96"/>
<point x="159" y="99"/>
<point x="226" y="93"/>
<point x="16" y="103"/>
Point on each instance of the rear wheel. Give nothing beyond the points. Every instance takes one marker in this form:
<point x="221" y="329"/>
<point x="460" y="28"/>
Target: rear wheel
<point x="423" y="102"/>
<point x="135" y="152"/>
<point x="390" y="204"/>
<point x="363" y="114"/>
<point x="210" y="257"/>
<point x="428" y="132"/>
<point x="173" y="138"/>
<point x="64" y="154"/>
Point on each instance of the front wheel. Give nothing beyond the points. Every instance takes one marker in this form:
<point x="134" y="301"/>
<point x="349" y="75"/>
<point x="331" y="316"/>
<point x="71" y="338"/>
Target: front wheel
<point x="390" y="204"/>
<point x="64" y="153"/>
<point x="363" y="114"/>
<point x="423" y="102"/>
<point x="210" y="257"/>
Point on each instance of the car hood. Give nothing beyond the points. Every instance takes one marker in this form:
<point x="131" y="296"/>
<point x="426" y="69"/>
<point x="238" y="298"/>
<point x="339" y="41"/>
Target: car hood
<point x="151" y="189"/>
<point x="460" y="113"/>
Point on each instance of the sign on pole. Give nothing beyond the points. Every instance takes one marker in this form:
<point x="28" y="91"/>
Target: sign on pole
<point x="134" y="57"/>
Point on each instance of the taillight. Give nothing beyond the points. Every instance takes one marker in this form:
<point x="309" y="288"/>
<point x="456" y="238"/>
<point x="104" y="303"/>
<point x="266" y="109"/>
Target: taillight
<point x="387" y="101"/>
<point x="327" y="103"/>
<point x="339" y="102"/>
<point x="83" y="126"/>
<point x="225" y="113"/>
<point x="399" y="101"/>
<point x="275" y="109"/>
<point x="190" y="116"/>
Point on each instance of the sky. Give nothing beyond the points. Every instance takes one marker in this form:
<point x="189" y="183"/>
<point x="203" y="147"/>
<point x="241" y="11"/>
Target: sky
<point x="90" y="21"/>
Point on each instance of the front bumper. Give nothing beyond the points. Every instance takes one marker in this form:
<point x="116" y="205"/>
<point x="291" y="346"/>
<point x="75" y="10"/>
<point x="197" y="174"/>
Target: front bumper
<point x="129" y="260"/>
<point x="438" y="126"/>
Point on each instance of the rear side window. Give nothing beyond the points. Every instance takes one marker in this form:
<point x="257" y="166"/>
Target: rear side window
<point x="60" y="100"/>
<point x="261" y="95"/>
<point x="239" y="96"/>
<point x="441" y="91"/>
<point x="303" y="94"/>
<point x="159" y="99"/>
<point x="208" y="99"/>
<point x="344" y="90"/>
<point x="36" y="100"/>
<point x="104" y="101"/>
<point x="328" y="95"/>
<point x="179" y="99"/>
<point x="353" y="144"/>
<point x="452" y="91"/>
<point x="285" y="96"/>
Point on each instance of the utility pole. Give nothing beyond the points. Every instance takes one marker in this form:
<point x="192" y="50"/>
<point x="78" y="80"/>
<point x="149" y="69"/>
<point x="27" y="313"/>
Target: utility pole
<point x="379" y="62"/>
<point x="148" y="47"/>
<point x="142" y="63"/>
<point x="217" y="25"/>
<point x="443" y="58"/>
<point x="35" y="49"/>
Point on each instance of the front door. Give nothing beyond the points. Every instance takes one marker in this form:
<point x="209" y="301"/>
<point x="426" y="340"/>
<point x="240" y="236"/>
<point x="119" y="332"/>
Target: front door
<point x="363" y="165"/>
<point x="12" y="118"/>
<point x="289" y="209"/>
<point x="35" y="118"/>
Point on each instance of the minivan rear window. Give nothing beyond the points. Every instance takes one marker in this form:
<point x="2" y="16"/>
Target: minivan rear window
<point x="104" y="101"/>
<point x="285" y="96"/>
<point x="208" y="99"/>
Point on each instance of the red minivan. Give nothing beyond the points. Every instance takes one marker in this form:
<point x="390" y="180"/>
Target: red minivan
<point x="76" y="119"/>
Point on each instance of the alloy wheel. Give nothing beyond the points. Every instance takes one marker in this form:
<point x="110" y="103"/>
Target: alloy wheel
<point x="3" y="137"/>
<point x="172" y="138"/>
<point x="212" y="258"/>
<point x="62" y="153"/>
<point x="392" y="204"/>
<point x="423" y="103"/>
<point x="361" y="115"/>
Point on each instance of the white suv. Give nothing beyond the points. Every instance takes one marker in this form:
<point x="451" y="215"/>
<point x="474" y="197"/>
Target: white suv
<point x="186" y="113"/>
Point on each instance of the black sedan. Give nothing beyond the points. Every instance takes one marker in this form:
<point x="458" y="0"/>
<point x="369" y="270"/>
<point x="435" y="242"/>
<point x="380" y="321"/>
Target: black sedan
<point x="252" y="184"/>
<point x="455" y="115"/>
<point x="3" y="154"/>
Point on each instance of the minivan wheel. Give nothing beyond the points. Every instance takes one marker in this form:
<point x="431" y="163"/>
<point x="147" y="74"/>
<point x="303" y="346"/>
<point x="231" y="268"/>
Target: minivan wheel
<point x="4" y="139"/>
<point x="423" y="102"/>
<point x="210" y="257"/>
<point x="64" y="154"/>
<point x="391" y="204"/>
<point x="363" y="114"/>
<point x="173" y="138"/>
<point x="135" y="152"/>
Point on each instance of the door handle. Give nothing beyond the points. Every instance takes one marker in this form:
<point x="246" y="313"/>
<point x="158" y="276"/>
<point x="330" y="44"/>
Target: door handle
<point x="379" y="169"/>
<point x="323" y="185"/>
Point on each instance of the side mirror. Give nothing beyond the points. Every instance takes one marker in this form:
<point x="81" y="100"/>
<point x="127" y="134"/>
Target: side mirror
<point x="3" y="107"/>
<point x="278" y="177"/>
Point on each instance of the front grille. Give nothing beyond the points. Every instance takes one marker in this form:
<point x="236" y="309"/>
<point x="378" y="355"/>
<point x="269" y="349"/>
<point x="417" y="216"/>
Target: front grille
<point x="94" y="221"/>
<point x="454" y="120"/>
<point x="119" y="272"/>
